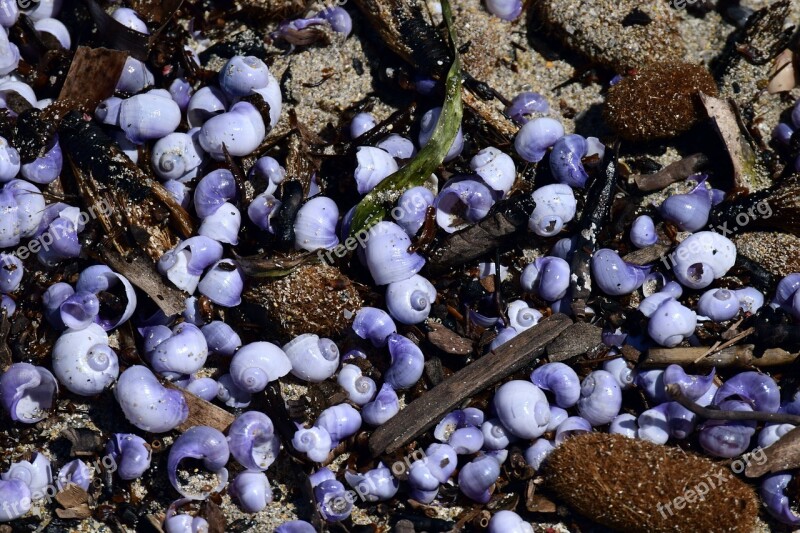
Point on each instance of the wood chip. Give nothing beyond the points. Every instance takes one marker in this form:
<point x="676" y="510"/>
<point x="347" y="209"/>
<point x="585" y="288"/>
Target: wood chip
<point x="647" y="255"/>
<point x="92" y="78"/>
<point x="75" y="501"/>
<point x="448" y="340"/>
<point x="577" y="339"/>
<point x="671" y="173"/>
<point x="424" y="412"/>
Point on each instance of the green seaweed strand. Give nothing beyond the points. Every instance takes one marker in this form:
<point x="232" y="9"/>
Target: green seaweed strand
<point x="375" y="206"/>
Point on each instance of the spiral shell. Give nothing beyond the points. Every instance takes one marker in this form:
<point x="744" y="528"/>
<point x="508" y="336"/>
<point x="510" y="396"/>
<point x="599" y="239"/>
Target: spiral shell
<point x="313" y="359"/>
<point x="257" y="364"/>
<point x="83" y="362"/>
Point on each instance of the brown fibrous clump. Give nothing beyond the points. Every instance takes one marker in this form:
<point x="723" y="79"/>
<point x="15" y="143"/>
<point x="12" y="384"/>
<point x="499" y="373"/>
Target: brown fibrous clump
<point x="312" y="299"/>
<point x="632" y="485"/>
<point x="659" y="101"/>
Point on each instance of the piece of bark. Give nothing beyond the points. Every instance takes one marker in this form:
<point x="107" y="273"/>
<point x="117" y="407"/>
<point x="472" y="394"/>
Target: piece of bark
<point x="428" y="409"/>
<point x="202" y="413"/>
<point x="577" y="339"/>
<point x="741" y="356"/>
<point x="84" y="442"/>
<point x="448" y="340"/>
<point x="142" y="273"/>
<point x="74" y="501"/>
<point x="92" y="77"/>
<point x="745" y="166"/>
<point x="671" y="173"/>
<point x="434" y="372"/>
<point x="782" y="455"/>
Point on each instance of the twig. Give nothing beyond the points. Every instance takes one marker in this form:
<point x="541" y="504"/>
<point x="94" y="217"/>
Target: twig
<point x="718" y="347"/>
<point x="671" y="173"/>
<point x="674" y="392"/>
<point x="741" y="356"/>
<point x="429" y="408"/>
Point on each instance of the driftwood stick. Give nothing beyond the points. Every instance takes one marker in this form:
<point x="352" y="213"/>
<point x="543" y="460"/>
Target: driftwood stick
<point x="671" y="173"/>
<point x="741" y="356"/>
<point x="780" y="456"/>
<point x="428" y="409"/>
<point x="647" y="255"/>
<point x="674" y="392"/>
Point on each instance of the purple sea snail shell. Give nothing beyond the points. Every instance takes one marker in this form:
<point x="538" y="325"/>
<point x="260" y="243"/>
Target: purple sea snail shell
<point x="223" y="283"/>
<point x="130" y="19"/>
<point x="315" y="225"/>
<point x="671" y="323"/>
<point x="27" y="392"/>
<point x="183" y="352"/>
<point x="477" y="477"/>
<point x="257" y="364"/>
<point x="701" y="258"/>
<point x="718" y="304"/>
<point x="340" y="421"/>
<point x="601" y="398"/>
<point x="241" y="75"/>
<point x="251" y="490"/>
<point x="555" y="206"/>
<point x="615" y="276"/>
<point x="36" y="474"/>
<point x="525" y="104"/>
<point x="412" y="208"/>
<point x="409" y="301"/>
<point x="536" y="136"/>
<point x="374" y="165"/>
<point x="83" y="362"/>
<point x="495" y="435"/>
<point x="462" y="201"/>
<point x="625" y="425"/>
<point x="772" y="492"/>
<point x="759" y="390"/>
<point x="45" y="169"/>
<point x="619" y="369"/>
<point x="240" y="130"/>
<point x="407" y="362"/>
<point x="385" y="405"/>
<point x="375" y="485"/>
<point x="360" y="389"/>
<point x="100" y="278"/>
<point x="570" y="427"/>
<point x="177" y="156"/>
<point x="508" y="521"/>
<point x="495" y="168"/>
<point x="183" y="523"/>
<point x="374" y="324"/>
<point x="466" y="440"/>
<point x="693" y="387"/>
<point x="130" y="453"/>
<point x="547" y="277"/>
<point x="522" y="408"/>
<point x="387" y="255"/>
<point x="332" y="501"/>
<point x="295" y="526"/>
<point x="207" y="102"/>
<point x="151" y="115"/>
<point x="184" y="264"/>
<point x="506" y="10"/>
<point x="725" y="438"/>
<point x="565" y="160"/>
<point x="75" y="472"/>
<point x="313" y="359"/>
<point x="643" y="232"/>
<point x="688" y="211"/>
<point x="559" y="379"/>
<point x="147" y="404"/>
<point x="361" y="124"/>
<point x="199" y="442"/>
<point x="252" y="440"/>
<point x="261" y="211"/>
<point x="315" y="442"/>
<point x="15" y="491"/>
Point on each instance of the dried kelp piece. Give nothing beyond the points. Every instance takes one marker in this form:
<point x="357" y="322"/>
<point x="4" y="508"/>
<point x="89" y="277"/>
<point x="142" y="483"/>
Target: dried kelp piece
<point x="771" y="209"/>
<point x="274" y="266"/>
<point x="201" y="412"/>
<point x="120" y="194"/>
<point x="375" y="205"/>
<point x="92" y="77"/>
<point x="122" y="37"/>
<point x="600" y="30"/>
<point x="672" y="173"/>
<point x="599" y="198"/>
